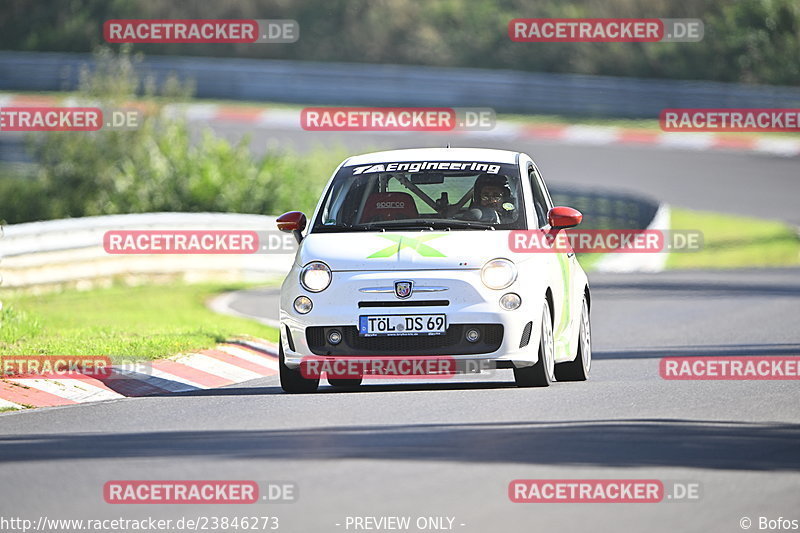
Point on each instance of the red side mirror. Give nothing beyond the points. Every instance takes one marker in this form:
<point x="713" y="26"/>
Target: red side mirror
<point x="564" y="217"/>
<point x="292" y="221"/>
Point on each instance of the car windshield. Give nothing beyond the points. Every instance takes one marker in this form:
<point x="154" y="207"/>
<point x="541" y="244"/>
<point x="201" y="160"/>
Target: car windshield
<point x="462" y="195"/>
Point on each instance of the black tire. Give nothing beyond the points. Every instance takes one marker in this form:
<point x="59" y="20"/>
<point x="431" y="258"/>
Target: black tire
<point x="540" y="374"/>
<point x="344" y="382"/>
<point x="578" y="370"/>
<point x="292" y="380"/>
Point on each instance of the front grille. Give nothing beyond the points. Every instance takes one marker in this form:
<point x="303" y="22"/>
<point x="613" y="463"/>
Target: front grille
<point x="451" y="343"/>
<point x="315" y="337"/>
<point x="410" y="303"/>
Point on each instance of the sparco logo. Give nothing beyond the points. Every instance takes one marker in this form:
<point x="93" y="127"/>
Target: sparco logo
<point x="390" y="205"/>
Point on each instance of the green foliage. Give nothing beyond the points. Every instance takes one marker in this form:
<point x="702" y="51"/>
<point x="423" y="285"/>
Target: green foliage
<point x="22" y="198"/>
<point x="159" y="166"/>
<point x="752" y="41"/>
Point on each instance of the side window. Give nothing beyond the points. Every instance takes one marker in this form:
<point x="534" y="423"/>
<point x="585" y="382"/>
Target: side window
<point x="539" y="201"/>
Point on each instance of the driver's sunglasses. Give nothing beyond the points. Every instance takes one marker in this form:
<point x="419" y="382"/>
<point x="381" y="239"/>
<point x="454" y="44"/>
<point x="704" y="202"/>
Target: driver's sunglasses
<point x="488" y="197"/>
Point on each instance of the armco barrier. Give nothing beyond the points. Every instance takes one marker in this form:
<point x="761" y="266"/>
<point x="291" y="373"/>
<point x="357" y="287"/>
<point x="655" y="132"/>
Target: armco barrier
<point x="70" y="251"/>
<point x="401" y="85"/>
<point x="618" y="210"/>
<point x="607" y="210"/>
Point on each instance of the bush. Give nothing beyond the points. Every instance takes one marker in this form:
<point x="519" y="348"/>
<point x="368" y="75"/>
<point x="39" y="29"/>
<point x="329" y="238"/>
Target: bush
<point x="22" y="198"/>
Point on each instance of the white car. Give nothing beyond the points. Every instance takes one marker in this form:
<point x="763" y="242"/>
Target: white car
<point x="408" y="255"/>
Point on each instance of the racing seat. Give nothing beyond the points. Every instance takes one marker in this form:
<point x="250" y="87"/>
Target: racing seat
<point x="389" y="206"/>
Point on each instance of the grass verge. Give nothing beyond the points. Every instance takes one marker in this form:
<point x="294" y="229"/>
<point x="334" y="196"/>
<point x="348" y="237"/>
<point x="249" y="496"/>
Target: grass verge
<point x="735" y="242"/>
<point x="147" y="322"/>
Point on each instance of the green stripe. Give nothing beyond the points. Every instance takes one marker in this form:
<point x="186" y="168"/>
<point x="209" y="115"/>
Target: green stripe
<point x="408" y="242"/>
<point x="563" y="262"/>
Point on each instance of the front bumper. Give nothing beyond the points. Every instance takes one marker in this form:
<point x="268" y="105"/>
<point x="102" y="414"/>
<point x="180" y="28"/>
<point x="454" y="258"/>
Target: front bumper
<point x="505" y="335"/>
<point x="454" y="342"/>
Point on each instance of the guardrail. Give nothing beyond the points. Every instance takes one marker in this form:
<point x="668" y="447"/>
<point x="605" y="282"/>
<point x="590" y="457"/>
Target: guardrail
<point x="618" y="210"/>
<point x="607" y="210"/>
<point x="401" y="85"/>
<point x="70" y="251"/>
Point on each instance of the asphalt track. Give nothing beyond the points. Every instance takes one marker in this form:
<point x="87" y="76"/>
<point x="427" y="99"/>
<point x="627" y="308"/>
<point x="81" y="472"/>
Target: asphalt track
<point x="451" y="449"/>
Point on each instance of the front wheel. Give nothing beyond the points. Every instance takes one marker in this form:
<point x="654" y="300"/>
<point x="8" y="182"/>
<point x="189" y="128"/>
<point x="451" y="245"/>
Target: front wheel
<point x="578" y="370"/>
<point x="292" y="380"/>
<point x="540" y="374"/>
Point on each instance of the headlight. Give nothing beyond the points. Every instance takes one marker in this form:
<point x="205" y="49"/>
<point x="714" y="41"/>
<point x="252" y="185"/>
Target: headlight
<point x="315" y="276"/>
<point x="498" y="273"/>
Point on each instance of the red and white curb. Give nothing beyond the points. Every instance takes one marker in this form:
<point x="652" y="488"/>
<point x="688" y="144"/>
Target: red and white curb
<point x="599" y="135"/>
<point x="289" y="119"/>
<point x="226" y="364"/>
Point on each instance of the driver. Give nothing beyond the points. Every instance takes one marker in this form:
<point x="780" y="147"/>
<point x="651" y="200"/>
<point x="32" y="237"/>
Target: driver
<point x="491" y="195"/>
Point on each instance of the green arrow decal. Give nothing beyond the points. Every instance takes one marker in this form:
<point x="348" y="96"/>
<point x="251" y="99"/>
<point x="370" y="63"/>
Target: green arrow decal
<point x="563" y="262"/>
<point x="408" y="242"/>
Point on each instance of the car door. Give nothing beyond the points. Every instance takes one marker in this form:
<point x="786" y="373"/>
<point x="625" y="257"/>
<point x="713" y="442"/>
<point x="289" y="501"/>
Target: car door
<point x="565" y="265"/>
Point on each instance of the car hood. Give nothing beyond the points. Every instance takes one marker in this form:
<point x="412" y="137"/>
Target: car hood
<point x="417" y="250"/>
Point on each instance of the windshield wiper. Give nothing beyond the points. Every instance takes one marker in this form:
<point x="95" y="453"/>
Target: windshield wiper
<point x="405" y="224"/>
<point x="429" y="224"/>
<point x="447" y="224"/>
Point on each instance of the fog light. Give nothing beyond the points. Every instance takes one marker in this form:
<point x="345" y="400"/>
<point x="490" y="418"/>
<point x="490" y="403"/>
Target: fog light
<point x="302" y="304"/>
<point x="473" y="335"/>
<point x="510" y="301"/>
<point x="334" y="337"/>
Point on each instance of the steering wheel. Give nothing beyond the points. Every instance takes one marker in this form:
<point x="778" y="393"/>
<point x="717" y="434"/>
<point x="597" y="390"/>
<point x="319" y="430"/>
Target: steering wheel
<point x="480" y="214"/>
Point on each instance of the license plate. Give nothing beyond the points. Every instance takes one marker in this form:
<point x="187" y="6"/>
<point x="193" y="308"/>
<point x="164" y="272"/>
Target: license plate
<point x="372" y="326"/>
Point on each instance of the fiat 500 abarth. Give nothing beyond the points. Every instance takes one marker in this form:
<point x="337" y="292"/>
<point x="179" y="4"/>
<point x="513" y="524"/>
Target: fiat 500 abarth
<point x="408" y="255"/>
